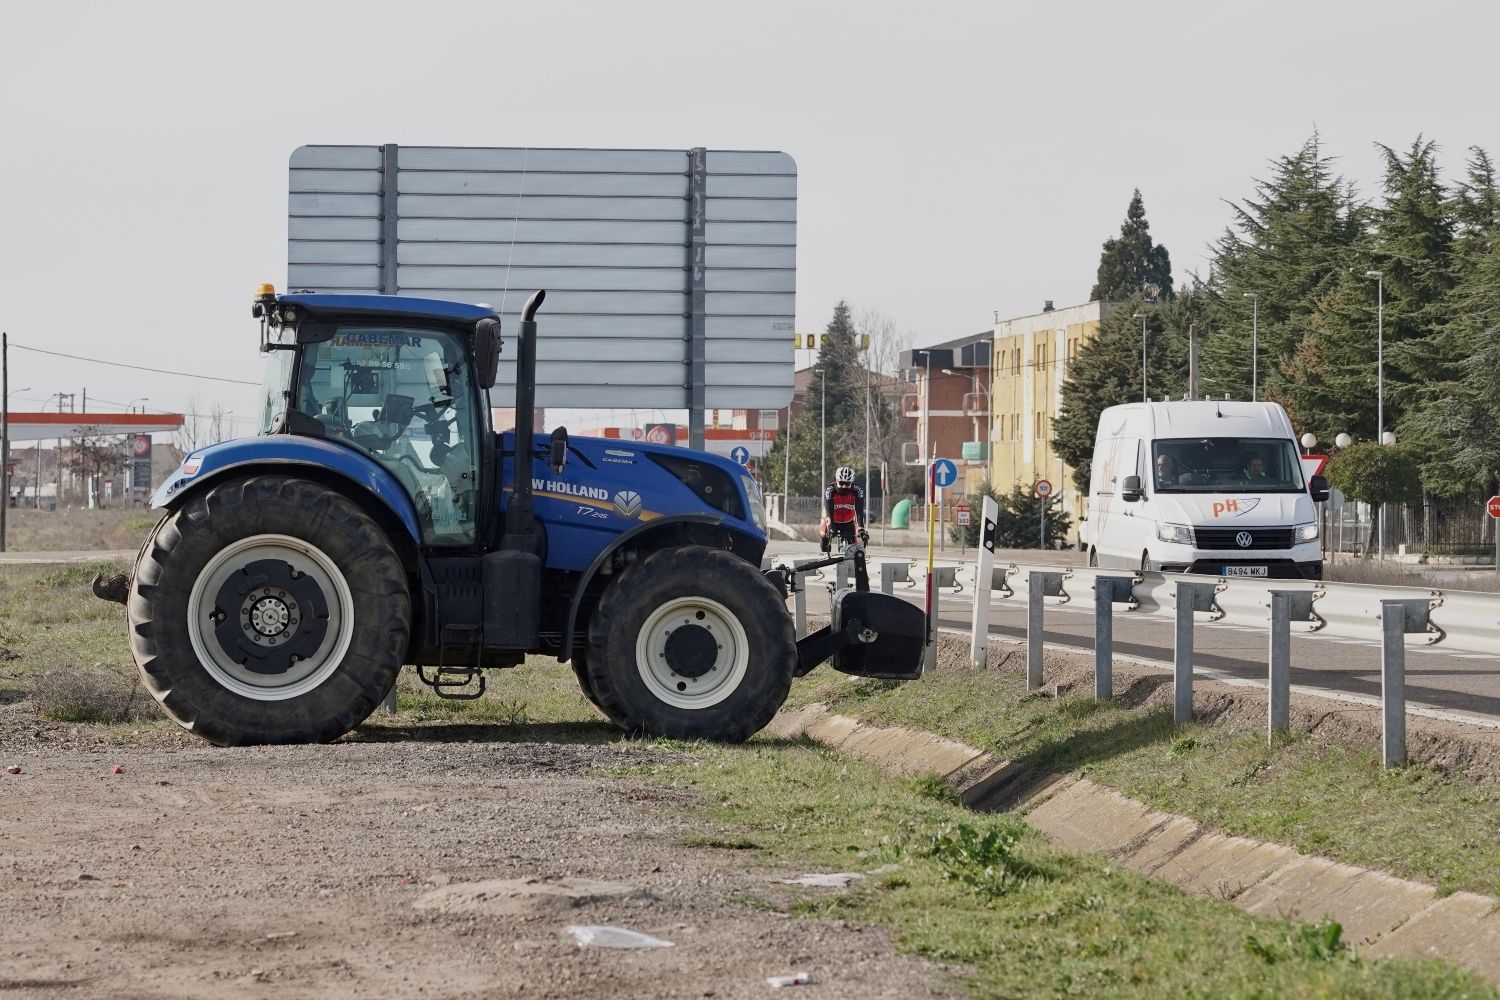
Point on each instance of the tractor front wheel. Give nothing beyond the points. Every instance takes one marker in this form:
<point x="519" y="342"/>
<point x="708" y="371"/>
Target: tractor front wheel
<point x="268" y="610"/>
<point x="691" y="643"/>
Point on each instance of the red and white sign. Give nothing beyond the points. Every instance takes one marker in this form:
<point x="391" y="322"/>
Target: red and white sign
<point x="1313" y="465"/>
<point x="1493" y="507"/>
<point x="1043" y="488"/>
<point x="140" y="445"/>
<point x="965" y="514"/>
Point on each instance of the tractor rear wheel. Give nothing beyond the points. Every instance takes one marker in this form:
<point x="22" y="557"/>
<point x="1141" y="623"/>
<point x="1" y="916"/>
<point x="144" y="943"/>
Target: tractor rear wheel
<point x="269" y="610"/>
<point x="691" y="643"/>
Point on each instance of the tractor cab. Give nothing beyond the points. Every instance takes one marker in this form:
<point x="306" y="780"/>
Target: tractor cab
<point x="399" y="380"/>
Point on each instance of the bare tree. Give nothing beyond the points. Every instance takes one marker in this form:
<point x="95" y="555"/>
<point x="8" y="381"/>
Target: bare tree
<point x="203" y="424"/>
<point x="889" y="429"/>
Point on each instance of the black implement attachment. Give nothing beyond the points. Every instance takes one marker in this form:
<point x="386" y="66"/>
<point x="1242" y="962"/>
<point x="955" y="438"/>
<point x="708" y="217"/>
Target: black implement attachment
<point x="869" y="634"/>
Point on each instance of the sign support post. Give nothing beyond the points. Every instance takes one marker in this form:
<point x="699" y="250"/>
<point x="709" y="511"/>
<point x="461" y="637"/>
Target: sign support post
<point x="1493" y="509"/>
<point x="929" y="654"/>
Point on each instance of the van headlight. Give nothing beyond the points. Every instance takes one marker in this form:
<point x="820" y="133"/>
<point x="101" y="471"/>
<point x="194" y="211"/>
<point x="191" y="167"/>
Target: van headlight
<point x="1179" y="533"/>
<point x="1305" y="533"/>
<point x="757" y="504"/>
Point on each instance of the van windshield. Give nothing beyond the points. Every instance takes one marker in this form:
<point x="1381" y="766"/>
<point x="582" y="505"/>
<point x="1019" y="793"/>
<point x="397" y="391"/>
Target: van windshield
<point x="1226" y="465"/>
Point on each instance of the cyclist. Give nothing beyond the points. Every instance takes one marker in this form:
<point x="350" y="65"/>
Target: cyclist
<point x="843" y="509"/>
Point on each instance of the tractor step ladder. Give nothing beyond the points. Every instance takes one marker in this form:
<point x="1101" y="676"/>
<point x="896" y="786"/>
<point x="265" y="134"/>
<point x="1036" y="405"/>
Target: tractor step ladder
<point x="457" y="683"/>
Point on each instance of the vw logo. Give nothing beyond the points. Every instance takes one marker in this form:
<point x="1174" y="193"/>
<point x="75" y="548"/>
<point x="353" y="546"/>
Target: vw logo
<point x="1243" y="539"/>
<point x="628" y="504"/>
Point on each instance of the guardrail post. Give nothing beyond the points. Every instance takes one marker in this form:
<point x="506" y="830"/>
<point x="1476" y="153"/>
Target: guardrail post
<point x="389" y="703"/>
<point x="984" y="576"/>
<point x="1397" y="618"/>
<point x="1279" y="685"/>
<point x="1041" y="585"/>
<point x="1191" y="597"/>
<point x="887" y="579"/>
<point x="799" y="603"/>
<point x="1108" y="591"/>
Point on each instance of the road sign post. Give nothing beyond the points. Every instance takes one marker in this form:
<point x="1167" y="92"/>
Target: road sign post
<point x="944" y="475"/>
<point x="1493" y="509"/>
<point x="1043" y="491"/>
<point x="962" y="517"/>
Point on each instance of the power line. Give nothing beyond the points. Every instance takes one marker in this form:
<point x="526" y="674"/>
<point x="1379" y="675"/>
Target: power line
<point x="139" y="368"/>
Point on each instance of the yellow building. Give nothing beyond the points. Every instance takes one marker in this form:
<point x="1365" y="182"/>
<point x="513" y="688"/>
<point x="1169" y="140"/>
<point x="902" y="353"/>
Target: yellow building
<point x="1031" y="359"/>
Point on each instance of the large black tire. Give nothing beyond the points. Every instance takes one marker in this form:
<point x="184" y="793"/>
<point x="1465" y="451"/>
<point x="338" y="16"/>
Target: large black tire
<point x="736" y="648"/>
<point x="581" y="671"/>
<point x="307" y="679"/>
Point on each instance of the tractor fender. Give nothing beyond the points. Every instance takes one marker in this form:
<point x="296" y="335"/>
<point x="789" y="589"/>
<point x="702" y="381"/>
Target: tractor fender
<point x="634" y="535"/>
<point x="285" y="453"/>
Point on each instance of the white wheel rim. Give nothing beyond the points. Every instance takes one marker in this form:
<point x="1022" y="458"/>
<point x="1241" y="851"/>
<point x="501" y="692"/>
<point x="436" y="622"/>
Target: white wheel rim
<point x="305" y="674"/>
<point x="729" y="667"/>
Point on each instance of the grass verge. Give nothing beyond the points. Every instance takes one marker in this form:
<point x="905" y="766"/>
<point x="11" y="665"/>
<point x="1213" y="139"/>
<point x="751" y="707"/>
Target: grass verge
<point x="1417" y="822"/>
<point x="986" y="892"/>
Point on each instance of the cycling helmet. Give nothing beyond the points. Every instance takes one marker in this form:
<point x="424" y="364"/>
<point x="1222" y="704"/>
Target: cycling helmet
<point x="844" y="476"/>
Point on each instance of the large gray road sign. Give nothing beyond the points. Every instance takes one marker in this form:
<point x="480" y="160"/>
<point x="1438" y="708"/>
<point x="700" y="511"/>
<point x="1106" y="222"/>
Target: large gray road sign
<point x="670" y="274"/>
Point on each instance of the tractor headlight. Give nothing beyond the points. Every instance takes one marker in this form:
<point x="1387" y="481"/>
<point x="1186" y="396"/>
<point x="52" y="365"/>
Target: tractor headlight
<point x="1305" y="533"/>
<point x="1179" y="533"/>
<point x="757" y="503"/>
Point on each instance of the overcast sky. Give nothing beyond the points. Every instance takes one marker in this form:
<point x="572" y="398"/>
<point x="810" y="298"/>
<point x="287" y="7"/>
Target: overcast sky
<point x="954" y="159"/>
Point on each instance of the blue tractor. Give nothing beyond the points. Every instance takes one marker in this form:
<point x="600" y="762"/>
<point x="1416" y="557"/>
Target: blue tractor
<point x="378" y="520"/>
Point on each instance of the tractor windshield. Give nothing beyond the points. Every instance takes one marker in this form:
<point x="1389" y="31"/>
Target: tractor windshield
<point x="404" y="397"/>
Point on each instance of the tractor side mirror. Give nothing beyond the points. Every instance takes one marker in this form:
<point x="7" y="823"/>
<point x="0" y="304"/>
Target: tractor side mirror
<point x="559" y="453"/>
<point x="486" y="352"/>
<point x="1318" y="487"/>
<point x="1130" y="489"/>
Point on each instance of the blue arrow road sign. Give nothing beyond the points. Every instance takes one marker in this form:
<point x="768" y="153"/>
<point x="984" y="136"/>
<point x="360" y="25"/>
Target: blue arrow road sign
<point x="944" y="473"/>
<point x="741" y="454"/>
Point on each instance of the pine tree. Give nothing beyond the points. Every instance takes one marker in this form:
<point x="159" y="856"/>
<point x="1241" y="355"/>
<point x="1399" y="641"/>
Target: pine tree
<point x="1289" y="245"/>
<point x="841" y="371"/>
<point x="1132" y="262"/>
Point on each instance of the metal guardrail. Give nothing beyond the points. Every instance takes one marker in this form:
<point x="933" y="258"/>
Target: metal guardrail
<point x="1459" y="620"/>
<point x="1387" y="616"/>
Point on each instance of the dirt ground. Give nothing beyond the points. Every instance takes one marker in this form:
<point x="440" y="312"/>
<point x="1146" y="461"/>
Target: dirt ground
<point x="349" y="871"/>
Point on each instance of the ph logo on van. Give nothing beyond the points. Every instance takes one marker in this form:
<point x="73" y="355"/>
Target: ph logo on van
<point x="1235" y="507"/>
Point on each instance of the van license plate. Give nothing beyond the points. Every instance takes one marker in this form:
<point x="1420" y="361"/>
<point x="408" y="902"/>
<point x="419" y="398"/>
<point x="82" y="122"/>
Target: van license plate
<point x="1244" y="571"/>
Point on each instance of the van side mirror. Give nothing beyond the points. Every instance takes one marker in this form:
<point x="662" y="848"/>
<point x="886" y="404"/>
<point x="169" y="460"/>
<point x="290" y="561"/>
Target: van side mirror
<point x="557" y="455"/>
<point x="1318" y="487"/>
<point x="486" y="352"/>
<point x="1130" y="489"/>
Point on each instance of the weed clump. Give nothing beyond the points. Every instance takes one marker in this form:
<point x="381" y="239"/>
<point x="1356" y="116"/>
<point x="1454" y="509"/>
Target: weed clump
<point x="90" y="695"/>
<point x="990" y="860"/>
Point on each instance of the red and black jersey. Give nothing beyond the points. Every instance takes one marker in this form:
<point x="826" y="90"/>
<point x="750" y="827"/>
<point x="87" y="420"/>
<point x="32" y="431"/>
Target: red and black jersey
<point x="844" y="504"/>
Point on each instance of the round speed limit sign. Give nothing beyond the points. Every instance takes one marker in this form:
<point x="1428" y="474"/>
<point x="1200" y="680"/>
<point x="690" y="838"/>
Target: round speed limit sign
<point x="1043" y="488"/>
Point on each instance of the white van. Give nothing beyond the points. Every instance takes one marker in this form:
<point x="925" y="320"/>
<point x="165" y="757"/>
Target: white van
<point x="1211" y="486"/>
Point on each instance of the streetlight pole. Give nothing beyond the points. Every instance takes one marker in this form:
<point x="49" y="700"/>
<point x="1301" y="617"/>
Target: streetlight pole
<point x="867" y="438"/>
<point x="1379" y="277"/>
<point x="1142" y="317"/>
<point x="823" y="443"/>
<point x="1254" y="344"/>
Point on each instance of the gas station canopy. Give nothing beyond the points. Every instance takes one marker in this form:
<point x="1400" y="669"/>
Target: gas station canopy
<point x="45" y="426"/>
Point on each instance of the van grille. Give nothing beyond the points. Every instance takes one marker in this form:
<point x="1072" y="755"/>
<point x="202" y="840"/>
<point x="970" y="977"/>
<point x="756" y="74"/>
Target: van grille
<point x="1228" y="538"/>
